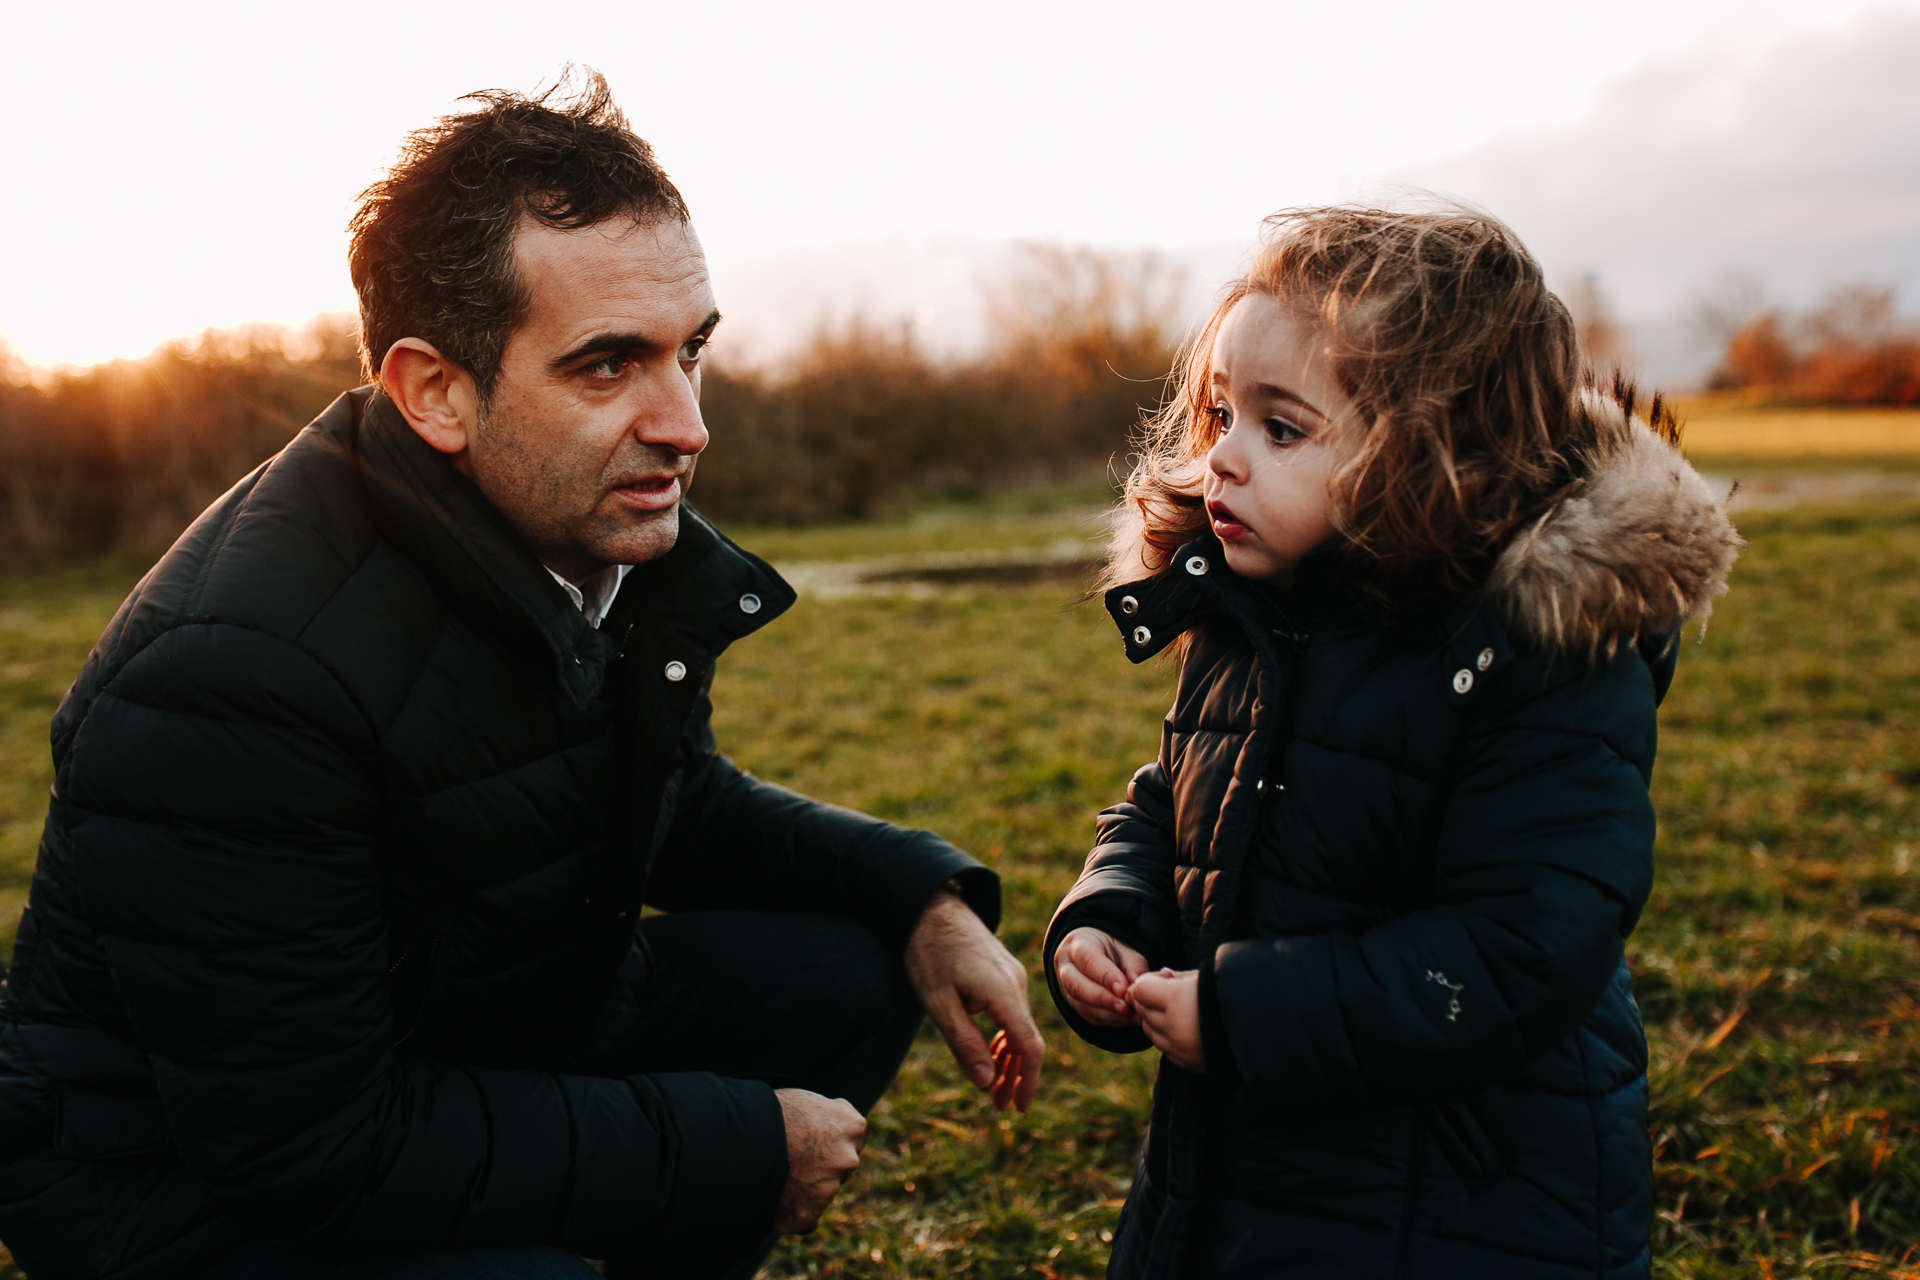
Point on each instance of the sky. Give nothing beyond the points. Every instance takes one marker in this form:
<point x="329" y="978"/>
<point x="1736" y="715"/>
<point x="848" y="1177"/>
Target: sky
<point x="171" y="167"/>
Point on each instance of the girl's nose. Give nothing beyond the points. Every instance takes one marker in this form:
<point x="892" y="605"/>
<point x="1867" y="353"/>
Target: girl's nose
<point x="1225" y="460"/>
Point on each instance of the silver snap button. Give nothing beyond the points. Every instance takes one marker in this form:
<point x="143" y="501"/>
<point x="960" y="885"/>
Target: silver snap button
<point x="676" y="671"/>
<point x="1141" y="635"/>
<point x="1129" y="606"/>
<point x="1485" y="659"/>
<point x="1462" y="680"/>
<point x="749" y="603"/>
<point x="1260" y="785"/>
<point x="1197" y="565"/>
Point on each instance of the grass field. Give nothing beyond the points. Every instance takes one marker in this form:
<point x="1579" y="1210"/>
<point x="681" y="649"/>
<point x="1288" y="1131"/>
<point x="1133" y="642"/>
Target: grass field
<point x="1778" y="964"/>
<point x="1725" y="430"/>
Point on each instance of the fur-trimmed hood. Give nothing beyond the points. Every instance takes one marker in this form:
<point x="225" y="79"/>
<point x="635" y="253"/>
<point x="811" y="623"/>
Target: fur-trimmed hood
<point x="1642" y="547"/>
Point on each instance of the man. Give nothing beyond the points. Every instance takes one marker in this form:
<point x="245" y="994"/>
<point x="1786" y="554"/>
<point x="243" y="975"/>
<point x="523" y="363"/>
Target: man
<point x="333" y="962"/>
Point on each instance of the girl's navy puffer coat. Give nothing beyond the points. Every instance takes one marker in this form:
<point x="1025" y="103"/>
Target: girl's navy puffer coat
<point x="1404" y="858"/>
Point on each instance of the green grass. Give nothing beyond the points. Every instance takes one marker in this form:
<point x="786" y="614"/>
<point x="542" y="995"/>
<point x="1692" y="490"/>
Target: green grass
<point x="1778" y="963"/>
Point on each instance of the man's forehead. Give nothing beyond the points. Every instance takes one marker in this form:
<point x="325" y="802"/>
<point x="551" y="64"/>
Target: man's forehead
<point x="625" y="267"/>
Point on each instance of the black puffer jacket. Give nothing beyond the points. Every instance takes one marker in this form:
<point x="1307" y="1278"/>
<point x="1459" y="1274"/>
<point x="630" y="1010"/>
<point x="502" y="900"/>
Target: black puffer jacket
<point x="352" y="817"/>
<point x="1404" y="859"/>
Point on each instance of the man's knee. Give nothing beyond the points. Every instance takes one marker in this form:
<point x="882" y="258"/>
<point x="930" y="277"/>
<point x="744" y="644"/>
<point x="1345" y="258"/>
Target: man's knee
<point x="861" y="984"/>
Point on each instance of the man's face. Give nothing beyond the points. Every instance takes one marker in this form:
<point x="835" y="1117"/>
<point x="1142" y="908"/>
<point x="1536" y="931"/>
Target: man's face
<point x="591" y="434"/>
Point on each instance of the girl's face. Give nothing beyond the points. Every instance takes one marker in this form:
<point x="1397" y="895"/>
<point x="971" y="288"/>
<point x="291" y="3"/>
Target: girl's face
<point x="1276" y="401"/>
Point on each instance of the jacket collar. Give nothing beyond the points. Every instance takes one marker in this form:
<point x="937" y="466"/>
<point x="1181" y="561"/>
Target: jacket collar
<point x="473" y="555"/>
<point x="1153" y="612"/>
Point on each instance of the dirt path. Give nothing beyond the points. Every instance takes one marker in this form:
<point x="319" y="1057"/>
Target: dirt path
<point x="1787" y="489"/>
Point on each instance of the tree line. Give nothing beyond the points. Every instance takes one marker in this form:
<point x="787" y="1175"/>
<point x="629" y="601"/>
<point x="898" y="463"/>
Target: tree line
<point x="120" y="457"/>
<point x="1854" y="347"/>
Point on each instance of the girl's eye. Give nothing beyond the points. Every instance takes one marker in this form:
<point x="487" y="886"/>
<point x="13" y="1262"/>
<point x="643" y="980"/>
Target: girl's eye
<point x="1220" y="414"/>
<point x="1283" y="432"/>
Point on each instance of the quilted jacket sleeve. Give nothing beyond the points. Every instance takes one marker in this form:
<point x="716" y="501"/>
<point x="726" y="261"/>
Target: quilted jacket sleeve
<point x="742" y="843"/>
<point x="1125" y="890"/>
<point x="215" y="809"/>
<point x="1542" y="864"/>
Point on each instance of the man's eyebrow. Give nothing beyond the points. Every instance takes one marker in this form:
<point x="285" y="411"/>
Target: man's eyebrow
<point x="612" y="342"/>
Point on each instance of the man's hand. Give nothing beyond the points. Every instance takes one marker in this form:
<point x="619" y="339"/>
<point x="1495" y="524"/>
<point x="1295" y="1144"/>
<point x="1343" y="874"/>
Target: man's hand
<point x="1095" y="973"/>
<point x="1169" y="1005"/>
<point x="959" y="969"/>
<point x="824" y="1136"/>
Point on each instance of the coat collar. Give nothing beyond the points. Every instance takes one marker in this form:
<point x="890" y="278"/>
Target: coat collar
<point x="1154" y="612"/>
<point x="473" y="555"/>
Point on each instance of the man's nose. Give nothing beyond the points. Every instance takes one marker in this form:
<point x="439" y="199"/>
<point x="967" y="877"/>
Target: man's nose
<point x="672" y="421"/>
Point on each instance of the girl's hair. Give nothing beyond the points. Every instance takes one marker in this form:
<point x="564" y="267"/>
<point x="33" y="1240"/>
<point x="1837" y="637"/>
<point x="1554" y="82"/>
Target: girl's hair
<point x="1465" y="370"/>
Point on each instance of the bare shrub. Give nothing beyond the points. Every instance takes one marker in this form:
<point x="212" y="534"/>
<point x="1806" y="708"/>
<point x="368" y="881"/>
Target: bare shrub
<point x="1854" y="348"/>
<point x="122" y="456"/>
<point x="1082" y="343"/>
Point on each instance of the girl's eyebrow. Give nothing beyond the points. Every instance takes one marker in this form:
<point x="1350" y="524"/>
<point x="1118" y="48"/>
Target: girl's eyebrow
<point x="1274" y="392"/>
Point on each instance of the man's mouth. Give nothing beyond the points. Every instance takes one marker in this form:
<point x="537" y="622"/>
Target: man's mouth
<point x="651" y="493"/>
<point x="1226" y="526"/>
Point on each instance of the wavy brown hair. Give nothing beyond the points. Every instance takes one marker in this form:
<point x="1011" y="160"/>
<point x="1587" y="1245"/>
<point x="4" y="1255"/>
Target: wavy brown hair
<point x="1465" y="370"/>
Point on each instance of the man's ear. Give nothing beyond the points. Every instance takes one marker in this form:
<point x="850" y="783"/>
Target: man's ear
<point x="435" y="395"/>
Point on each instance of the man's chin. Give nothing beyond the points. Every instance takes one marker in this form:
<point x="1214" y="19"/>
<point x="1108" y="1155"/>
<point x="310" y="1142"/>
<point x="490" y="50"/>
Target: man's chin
<point x="639" y="538"/>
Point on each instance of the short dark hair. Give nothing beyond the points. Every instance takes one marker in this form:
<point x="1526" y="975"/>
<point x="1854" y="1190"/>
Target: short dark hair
<point x="432" y="242"/>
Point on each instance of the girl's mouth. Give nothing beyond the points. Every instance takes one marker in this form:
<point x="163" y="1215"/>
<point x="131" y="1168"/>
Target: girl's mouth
<point x="1225" y="526"/>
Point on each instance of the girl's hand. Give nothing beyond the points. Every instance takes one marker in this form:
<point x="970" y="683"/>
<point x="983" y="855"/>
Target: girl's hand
<point x="1168" y="1004"/>
<point x="1095" y="974"/>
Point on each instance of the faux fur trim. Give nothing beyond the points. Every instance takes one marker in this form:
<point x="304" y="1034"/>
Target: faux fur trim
<point x="1642" y="547"/>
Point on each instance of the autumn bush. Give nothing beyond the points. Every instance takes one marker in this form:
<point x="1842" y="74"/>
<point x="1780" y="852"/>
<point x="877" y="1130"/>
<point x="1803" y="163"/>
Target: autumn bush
<point x="120" y="457"/>
<point x="1854" y="348"/>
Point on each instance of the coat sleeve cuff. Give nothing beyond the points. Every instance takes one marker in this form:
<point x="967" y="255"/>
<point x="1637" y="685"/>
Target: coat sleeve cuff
<point x="942" y="864"/>
<point x="1088" y="912"/>
<point x="1215" y="1047"/>
<point x="733" y="1154"/>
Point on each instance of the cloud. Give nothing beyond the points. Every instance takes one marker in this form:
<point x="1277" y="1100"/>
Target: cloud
<point x="1798" y="164"/>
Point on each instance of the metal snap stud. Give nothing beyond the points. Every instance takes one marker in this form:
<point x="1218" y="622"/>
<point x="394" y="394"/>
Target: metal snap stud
<point x="1197" y="565"/>
<point x="1129" y="606"/>
<point x="749" y="603"/>
<point x="1485" y="659"/>
<point x="676" y="671"/>
<point x="1142" y="636"/>
<point x="1462" y="680"/>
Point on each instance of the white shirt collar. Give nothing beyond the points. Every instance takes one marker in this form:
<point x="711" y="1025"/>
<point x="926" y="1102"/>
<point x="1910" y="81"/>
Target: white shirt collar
<point x="593" y="596"/>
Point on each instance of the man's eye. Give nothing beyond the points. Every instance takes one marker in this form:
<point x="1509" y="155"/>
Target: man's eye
<point x="690" y="350"/>
<point x="608" y="367"/>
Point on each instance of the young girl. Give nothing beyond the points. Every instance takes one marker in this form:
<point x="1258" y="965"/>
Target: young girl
<point x="1370" y="900"/>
